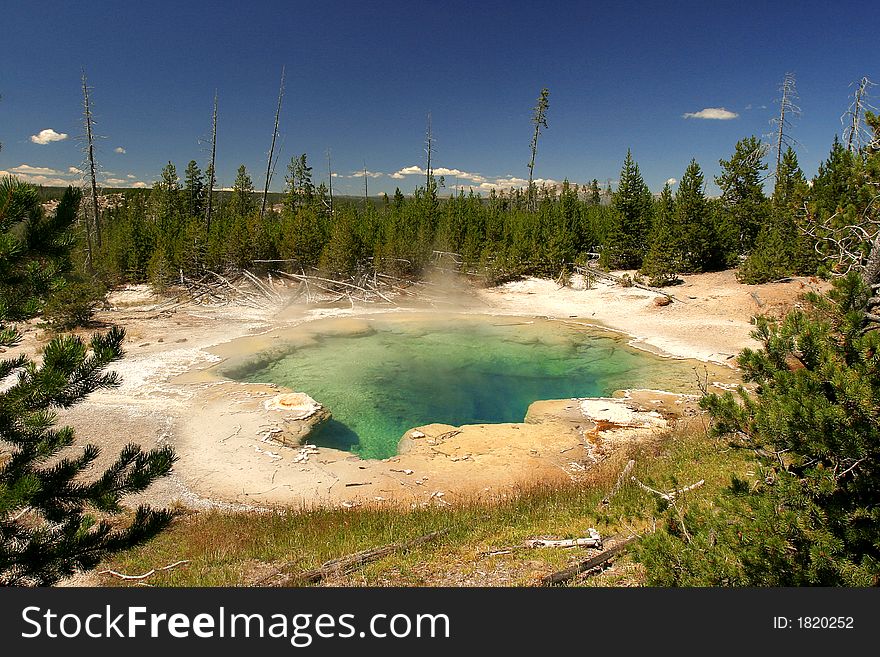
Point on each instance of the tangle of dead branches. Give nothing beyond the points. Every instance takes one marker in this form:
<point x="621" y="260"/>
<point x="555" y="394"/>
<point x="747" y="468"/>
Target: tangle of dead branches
<point x="845" y="247"/>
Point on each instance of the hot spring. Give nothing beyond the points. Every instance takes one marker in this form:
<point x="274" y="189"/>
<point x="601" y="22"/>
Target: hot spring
<point x="384" y="374"/>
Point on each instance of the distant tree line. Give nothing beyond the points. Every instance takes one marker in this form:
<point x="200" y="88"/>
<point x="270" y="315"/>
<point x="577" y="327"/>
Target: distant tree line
<point x="155" y="235"/>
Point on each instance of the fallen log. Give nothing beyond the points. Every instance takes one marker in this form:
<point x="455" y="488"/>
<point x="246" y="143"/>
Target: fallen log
<point x="345" y="564"/>
<point x="593" y="541"/>
<point x="267" y="291"/>
<point x="589" y="271"/>
<point x="317" y="280"/>
<point x="600" y="559"/>
<point x="564" y="543"/>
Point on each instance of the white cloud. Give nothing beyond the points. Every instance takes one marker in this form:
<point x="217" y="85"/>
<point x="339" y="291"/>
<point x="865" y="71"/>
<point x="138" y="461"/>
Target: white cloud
<point x="120" y="150"/>
<point x="42" y="175"/>
<point x="37" y="179"/>
<point x="513" y="182"/>
<point x="480" y="183"/>
<point x="370" y="174"/>
<point x="48" y="135"/>
<point x="415" y="170"/>
<point x="139" y="184"/>
<point x="27" y="169"/>
<point x="671" y="182"/>
<point x="458" y="173"/>
<point x="408" y="171"/>
<point x="54" y="178"/>
<point x="715" y="113"/>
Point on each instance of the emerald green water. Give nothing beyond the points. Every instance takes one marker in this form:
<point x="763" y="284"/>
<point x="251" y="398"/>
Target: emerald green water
<point x="382" y="376"/>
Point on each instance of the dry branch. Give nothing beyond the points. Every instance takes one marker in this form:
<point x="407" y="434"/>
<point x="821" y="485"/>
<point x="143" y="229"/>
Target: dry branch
<point x="113" y="573"/>
<point x="620" y="479"/>
<point x="671" y="495"/>
<point x="344" y="564"/>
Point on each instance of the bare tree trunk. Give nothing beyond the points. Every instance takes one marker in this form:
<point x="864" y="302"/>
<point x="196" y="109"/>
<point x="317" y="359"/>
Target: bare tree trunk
<point x="871" y="272"/>
<point x="854" y="126"/>
<point x="780" y="133"/>
<point x="786" y="108"/>
<point x="212" y="176"/>
<point x="856" y="111"/>
<point x="272" y="147"/>
<point x="539" y="118"/>
<point x="429" y="149"/>
<point x="366" y="188"/>
<point x="330" y="181"/>
<point x="532" y="165"/>
<point x="90" y="152"/>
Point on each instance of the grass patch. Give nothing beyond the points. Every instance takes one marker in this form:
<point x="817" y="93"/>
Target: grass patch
<point x="238" y="549"/>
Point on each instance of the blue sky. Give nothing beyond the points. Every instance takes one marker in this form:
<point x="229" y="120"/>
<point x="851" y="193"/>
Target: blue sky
<point x="361" y="78"/>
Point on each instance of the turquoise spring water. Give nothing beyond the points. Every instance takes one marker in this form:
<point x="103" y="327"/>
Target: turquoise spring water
<point x="390" y="374"/>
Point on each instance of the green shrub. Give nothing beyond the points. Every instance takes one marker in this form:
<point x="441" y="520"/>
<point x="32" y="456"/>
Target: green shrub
<point x="74" y="304"/>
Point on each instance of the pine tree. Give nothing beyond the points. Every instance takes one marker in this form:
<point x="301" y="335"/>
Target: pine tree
<point x="627" y="241"/>
<point x="193" y="190"/>
<point x="48" y="527"/>
<point x="243" y="202"/>
<point x="595" y="197"/>
<point x="300" y="190"/>
<point x="302" y="238"/>
<point x="165" y="199"/>
<point x="661" y="264"/>
<point x="833" y="187"/>
<point x="399" y="199"/>
<point x="342" y="255"/>
<point x="700" y="247"/>
<point x="561" y="232"/>
<point x="780" y="249"/>
<point x="744" y="206"/>
<point x="810" y="515"/>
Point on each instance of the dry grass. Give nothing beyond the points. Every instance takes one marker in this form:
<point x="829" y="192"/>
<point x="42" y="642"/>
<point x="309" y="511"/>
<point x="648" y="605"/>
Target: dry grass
<point x="240" y="549"/>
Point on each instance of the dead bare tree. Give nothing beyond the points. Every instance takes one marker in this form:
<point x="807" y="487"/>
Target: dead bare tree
<point x="855" y="131"/>
<point x="88" y="121"/>
<point x="429" y="150"/>
<point x="270" y="162"/>
<point x="330" y="181"/>
<point x="366" y="189"/>
<point x="787" y="109"/>
<point x="539" y="119"/>
<point x="212" y="176"/>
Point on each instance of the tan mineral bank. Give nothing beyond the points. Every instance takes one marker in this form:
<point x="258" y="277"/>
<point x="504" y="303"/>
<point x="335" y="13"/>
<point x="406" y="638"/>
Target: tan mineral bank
<point x="246" y="445"/>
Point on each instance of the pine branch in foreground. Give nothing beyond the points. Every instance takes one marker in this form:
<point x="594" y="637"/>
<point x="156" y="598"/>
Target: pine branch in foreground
<point x="49" y="510"/>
